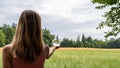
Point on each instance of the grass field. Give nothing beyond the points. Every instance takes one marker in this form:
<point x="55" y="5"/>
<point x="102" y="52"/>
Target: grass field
<point x="84" y="58"/>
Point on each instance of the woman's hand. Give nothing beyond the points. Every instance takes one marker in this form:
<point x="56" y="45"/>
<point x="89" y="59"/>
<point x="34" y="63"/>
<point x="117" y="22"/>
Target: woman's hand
<point x="56" y="47"/>
<point x="51" y="50"/>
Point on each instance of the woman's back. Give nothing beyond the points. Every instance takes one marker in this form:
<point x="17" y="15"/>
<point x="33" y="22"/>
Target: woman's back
<point x="39" y="63"/>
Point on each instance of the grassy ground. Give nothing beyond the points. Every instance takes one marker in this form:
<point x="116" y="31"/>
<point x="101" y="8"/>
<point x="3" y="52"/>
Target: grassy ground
<point x="83" y="58"/>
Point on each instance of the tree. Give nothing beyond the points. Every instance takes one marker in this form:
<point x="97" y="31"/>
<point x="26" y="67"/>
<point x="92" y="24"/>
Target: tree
<point x="9" y="33"/>
<point x="65" y="42"/>
<point x="2" y="38"/>
<point x="89" y="42"/>
<point x="78" y="42"/>
<point x="112" y="16"/>
<point x="117" y="43"/>
<point x="83" y="40"/>
<point x="47" y="37"/>
<point x="14" y="25"/>
<point x="72" y="43"/>
<point x="114" y="43"/>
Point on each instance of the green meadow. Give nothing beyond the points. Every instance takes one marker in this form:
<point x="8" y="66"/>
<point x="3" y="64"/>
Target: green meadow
<point x="83" y="59"/>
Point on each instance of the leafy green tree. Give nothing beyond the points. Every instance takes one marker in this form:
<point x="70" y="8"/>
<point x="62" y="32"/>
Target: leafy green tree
<point x="71" y="43"/>
<point x="68" y="43"/>
<point x="89" y="39"/>
<point x="110" y="43"/>
<point x="117" y="43"/>
<point x="78" y="42"/>
<point x="114" y="43"/>
<point x="89" y="42"/>
<point x="2" y="38"/>
<point x="65" y="42"/>
<point x="47" y="37"/>
<point x="112" y="17"/>
<point x="9" y="33"/>
<point x="14" y="25"/>
<point x="100" y="44"/>
<point x="83" y="40"/>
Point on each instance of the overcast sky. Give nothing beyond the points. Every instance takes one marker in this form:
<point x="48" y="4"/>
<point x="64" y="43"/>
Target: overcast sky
<point x="65" y="18"/>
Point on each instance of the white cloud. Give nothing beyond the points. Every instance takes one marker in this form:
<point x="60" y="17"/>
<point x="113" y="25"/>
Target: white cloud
<point x="75" y="10"/>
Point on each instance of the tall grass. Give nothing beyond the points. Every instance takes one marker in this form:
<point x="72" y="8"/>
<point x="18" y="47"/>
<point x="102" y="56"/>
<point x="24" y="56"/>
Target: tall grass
<point x="84" y="59"/>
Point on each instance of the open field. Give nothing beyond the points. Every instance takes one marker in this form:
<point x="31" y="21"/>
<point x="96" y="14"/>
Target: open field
<point x="83" y="58"/>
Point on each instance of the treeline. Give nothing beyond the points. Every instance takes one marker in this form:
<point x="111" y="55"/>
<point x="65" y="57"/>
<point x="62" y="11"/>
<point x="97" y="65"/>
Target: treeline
<point x="83" y="42"/>
<point x="7" y="33"/>
<point x="89" y="42"/>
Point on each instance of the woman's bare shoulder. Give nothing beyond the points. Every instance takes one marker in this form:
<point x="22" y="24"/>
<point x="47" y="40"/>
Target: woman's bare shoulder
<point x="6" y="48"/>
<point x="46" y="46"/>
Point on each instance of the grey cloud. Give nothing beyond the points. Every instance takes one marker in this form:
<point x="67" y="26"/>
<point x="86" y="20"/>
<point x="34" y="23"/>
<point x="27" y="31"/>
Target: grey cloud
<point x="11" y="9"/>
<point x="19" y="3"/>
<point x="65" y="27"/>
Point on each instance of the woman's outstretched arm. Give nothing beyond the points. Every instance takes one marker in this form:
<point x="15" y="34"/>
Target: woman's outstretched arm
<point x="50" y="51"/>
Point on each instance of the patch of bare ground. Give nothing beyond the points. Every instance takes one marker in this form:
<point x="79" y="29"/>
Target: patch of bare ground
<point x="87" y="49"/>
<point x="0" y="50"/>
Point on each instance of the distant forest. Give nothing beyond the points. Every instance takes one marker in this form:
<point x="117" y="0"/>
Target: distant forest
<point x="7" y="33"/>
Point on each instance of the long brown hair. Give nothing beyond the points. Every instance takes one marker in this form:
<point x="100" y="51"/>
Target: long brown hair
<point x="28" y="42"/>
